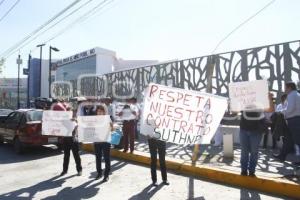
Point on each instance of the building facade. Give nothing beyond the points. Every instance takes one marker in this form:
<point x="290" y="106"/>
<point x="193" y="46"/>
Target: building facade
<point x="85" y="67"/>
<point x="38" y="78"/>
<point x="9" y="92"/>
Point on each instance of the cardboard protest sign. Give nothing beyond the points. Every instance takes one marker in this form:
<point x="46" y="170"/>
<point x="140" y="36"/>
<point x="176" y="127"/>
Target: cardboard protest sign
<point x="57" y="123"/>
<point x="94" y="128"/>
<point x="126" y="113"/>
<point x="181" y="116"/>
<point x="249" y="95"/>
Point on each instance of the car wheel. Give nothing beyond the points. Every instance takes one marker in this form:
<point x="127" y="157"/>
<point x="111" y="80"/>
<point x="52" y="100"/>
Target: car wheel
<point x="1" y="140"/>
<point x="18" y="146"/>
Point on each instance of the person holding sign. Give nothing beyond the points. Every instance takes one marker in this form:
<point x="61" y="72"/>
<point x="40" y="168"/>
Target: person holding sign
<point x="102" y="148"/>
<point x="128" y="116"/>
<point x="158" y="146"/>
<point x="70" y="143"/>
<point x="252" y="126"/>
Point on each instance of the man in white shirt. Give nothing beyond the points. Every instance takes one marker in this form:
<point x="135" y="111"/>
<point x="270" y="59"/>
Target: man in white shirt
<point x="283" y="103"/>
<point x="292" y="111"/>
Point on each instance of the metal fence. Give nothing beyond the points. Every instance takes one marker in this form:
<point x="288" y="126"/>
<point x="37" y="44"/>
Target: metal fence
<point x="278" y="63"/>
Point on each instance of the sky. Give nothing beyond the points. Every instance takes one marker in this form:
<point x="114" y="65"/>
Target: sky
<point x="148" y="29"/>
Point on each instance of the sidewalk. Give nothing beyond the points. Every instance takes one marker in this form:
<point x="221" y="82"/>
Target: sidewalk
<point x="273" y="176"/>
<point x="212" y="156"/>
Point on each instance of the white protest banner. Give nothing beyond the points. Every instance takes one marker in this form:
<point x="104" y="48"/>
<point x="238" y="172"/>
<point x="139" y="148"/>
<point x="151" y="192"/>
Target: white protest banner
<point x="181" y="116"/>
<point x="57" y="123"/>
<point x="94" y="128"/>
<point x="248" y="95"/>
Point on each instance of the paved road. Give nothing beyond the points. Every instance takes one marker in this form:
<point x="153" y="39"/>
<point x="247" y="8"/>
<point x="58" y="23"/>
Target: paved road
<point x="35" y="176"/>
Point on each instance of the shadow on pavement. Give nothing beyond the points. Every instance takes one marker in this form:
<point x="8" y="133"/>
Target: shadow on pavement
<point x="31" y="153"/>
<point x="84" y="191"/>
<point x="147" y="193"/>
<point x="29" y="192"/>
<point x="114" y="167"/>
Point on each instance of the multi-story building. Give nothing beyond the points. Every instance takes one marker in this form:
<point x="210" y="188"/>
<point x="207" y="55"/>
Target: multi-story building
<point x="89" y="64"/>
<point x="9" y="92"/>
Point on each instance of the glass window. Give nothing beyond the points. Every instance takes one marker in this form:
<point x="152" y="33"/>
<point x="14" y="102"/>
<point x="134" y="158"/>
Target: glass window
<point x="34" y="115"/>
<point x="71" y="71"/>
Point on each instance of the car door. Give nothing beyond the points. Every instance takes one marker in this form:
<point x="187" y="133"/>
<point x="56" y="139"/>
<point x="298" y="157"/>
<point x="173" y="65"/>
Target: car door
<point x="3" y="128"/>
<point x="11" y="125"/>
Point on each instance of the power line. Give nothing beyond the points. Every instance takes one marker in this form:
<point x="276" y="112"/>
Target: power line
<point x="1" y="2"/>
<point x="39" y="34"/>
<point x="14" y="47"/>
<point x="10" y="9"/>
<point x="241" y="24"/>
<point x="82" y="18"/>
<point x="78" y="20"/>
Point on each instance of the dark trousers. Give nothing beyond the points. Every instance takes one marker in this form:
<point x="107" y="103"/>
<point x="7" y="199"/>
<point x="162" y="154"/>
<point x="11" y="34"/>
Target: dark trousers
<point x="136" y="130"/>
<point x="287" y="146"/>
<point x="102" y="148"/>
<point x="266" y="136"/>
<point x="68" y="145"/>
<point x="294" y="128"/>
<point x="158" y="146"/>
<point x="129" y="134"/>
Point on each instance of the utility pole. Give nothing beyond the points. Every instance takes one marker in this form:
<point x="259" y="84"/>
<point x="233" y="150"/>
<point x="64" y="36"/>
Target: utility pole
<point x="210" y="67"/>
<point x="28" y="81"/>
<point x="41" y="55"/>
<point x="50" y="66"/>
<point x="19" y="62"/>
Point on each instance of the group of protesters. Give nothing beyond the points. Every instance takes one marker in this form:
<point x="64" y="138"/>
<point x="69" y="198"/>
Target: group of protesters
<point x="282" y="120"/>
<point x="102" y="149"/>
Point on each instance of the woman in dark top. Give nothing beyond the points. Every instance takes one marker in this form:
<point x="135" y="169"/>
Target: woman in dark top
<point x="251" y="130"/>
<point x="252" y="126"/>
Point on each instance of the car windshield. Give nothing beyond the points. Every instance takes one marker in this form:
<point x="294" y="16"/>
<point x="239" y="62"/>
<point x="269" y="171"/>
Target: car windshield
<point x="34" y="115"/>
<point x="5" y="112"/>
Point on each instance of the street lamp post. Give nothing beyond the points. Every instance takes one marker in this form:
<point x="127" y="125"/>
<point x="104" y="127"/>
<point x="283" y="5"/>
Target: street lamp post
<point x="19" y="62"/>
<point x="50" y="65"/>
<point x="41" y="55"/>
<point x="28" y="81"/>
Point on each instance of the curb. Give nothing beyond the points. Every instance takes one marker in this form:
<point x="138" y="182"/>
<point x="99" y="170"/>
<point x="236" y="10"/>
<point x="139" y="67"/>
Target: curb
<point x="263" y="184"/>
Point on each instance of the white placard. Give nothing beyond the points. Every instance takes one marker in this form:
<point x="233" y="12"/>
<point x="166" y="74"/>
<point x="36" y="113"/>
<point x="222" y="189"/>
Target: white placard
<point x="57" y="123"/>
<point x="249" y="95"/>
<point x="181" y="116"/>
<point x="94" y="128"/>
<point x="127" y="114"/>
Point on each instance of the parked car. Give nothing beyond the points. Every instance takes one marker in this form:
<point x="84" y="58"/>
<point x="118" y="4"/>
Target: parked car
<point x="23" y="128"/>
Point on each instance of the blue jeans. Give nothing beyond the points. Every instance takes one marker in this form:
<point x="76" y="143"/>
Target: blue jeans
<point x="249" y="144"/>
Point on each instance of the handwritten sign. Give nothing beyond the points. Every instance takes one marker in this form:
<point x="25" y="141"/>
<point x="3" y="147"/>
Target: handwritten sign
<point x="57" y="123"/>
<point x="181" y="116"/>
<point x="248" y="95"/>
<point x="94" y="128"/>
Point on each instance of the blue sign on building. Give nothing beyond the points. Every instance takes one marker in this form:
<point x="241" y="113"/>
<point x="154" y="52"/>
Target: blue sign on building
<point x="34" y="78"/>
